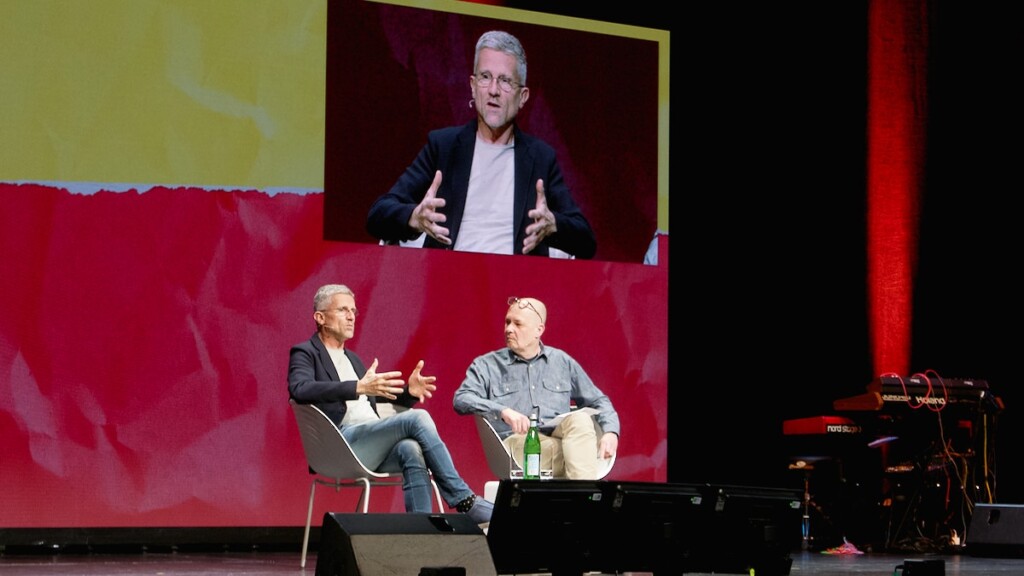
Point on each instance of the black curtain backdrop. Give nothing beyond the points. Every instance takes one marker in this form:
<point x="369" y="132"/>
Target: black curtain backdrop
<point x="768" y="199"/>
<point x="967" y="300"/>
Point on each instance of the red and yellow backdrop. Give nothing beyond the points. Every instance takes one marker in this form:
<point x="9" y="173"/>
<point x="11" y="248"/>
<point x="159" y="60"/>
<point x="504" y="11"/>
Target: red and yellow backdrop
<point x="163" y="233"/>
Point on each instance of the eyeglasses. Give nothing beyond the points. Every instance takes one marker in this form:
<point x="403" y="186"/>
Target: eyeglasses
<point x="506" y="84"/>
<point x="524" y="304"/>
<point x="344" y="311"/>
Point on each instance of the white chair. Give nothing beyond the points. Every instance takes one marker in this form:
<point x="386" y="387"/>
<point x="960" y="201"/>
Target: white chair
<point x="502" y="462"/>
<point x="333" y="463"/>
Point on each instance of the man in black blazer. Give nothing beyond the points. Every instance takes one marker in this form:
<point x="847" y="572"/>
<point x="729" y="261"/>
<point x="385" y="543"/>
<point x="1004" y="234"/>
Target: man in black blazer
<point x="323" y="372"/>
<point x="486" y="186"/>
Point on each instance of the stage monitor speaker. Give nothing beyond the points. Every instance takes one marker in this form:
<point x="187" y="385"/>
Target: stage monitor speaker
<point x="413" y="544"/>
<point x="749" y="529"/>
<point x="996" y="530"/>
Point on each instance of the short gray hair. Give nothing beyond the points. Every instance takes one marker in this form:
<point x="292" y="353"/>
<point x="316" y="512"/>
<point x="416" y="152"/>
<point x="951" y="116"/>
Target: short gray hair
<point x="323" y="296"/>
<point x="503" y="42"/>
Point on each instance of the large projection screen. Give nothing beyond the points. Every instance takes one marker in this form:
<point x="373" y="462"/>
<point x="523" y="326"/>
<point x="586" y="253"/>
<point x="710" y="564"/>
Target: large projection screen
<point x="596" y="95"/>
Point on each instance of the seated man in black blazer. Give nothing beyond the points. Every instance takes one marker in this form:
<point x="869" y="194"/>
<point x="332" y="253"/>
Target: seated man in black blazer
<point x="323" y="372"/>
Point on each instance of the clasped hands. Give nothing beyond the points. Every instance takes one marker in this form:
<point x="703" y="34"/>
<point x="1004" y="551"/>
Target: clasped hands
<point x="389" y="384"/>
<point x="426" y="218"/>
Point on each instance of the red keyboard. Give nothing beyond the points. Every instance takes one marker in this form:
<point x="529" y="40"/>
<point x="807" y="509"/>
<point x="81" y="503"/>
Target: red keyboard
<point x="820" y="425"/>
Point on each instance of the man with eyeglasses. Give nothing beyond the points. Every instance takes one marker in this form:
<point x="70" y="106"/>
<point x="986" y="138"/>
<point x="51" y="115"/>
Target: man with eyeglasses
<point x="486" y="186"/>
<point x="323" y="372"/>
<point x="506" y="385"/>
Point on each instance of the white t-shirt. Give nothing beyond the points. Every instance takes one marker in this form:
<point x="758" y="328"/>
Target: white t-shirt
<point x="359" y="410"/>
<point x="487" y="224"/>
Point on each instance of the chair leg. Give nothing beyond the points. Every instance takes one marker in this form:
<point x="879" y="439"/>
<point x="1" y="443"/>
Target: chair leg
<point x="309" y="519"/>
<point x="437" y="493"/>
<point x="364" y="496"/>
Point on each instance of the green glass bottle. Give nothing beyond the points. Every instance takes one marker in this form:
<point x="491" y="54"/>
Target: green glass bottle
<point x="531" y="451"/>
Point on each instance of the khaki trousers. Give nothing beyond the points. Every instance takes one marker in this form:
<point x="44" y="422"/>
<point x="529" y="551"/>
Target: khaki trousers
<point x="569" y="452"/>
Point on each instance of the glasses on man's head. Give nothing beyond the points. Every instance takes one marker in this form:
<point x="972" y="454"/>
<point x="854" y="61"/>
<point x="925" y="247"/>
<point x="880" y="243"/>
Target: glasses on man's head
<point x="506" y="84"/>
<point x="344" y="311"/>
<point x="523" y="303"/>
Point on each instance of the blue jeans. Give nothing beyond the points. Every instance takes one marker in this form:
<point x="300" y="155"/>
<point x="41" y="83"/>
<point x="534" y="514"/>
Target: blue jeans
<point x="408" y="442"/>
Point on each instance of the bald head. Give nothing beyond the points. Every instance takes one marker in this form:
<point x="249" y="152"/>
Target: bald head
<point x="532" y="304"/>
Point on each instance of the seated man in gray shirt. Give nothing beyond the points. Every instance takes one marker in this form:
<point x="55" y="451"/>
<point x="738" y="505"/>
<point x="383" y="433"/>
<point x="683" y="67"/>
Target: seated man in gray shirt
<point x="506" y="385"/>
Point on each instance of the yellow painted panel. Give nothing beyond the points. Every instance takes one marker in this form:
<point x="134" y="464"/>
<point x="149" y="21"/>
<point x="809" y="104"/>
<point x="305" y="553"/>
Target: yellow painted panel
<point x="214" y="93"/>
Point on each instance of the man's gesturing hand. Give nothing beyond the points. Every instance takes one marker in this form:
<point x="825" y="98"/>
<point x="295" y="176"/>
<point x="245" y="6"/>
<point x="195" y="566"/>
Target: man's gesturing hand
<point x="425" y="216"/>
<point x="543" y="222"/>
<point x="386" y="384"/>
<point x="421" y="386"/>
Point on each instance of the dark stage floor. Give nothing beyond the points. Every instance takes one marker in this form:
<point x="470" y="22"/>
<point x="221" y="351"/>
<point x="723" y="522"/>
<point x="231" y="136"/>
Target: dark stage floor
<point x="287" y="563"/>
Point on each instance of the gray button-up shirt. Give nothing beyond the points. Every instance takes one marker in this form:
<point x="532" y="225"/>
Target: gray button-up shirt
<point x="552" y="381"/>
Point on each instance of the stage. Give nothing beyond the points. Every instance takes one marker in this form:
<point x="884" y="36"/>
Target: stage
<point x="286" y="563"/>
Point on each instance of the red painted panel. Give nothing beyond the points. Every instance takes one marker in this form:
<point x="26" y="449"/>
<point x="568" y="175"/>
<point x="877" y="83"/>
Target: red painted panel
<point x="144" y="341"/>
